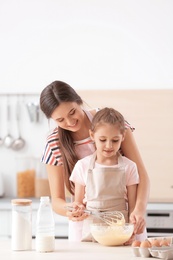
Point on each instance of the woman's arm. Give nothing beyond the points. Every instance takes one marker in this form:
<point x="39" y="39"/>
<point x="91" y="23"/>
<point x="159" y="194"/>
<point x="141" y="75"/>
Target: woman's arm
<point x="131" y="195"/>
<point x="57" y="189"/>
<point x="130" y="150"/>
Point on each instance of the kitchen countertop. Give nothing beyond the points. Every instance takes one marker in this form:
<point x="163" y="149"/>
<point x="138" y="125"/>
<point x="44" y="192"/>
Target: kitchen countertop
<point x="65" y="249"/>
<point x="5" y="203"/>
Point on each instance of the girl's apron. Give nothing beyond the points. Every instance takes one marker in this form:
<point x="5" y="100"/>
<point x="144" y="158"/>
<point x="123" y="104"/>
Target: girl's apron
<point x="105" y="189"/>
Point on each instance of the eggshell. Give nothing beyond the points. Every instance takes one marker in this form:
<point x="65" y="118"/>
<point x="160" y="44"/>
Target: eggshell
<point x="155" y="242"/>
<point x="136" y="243"/>
<point x="145" y="244"/>
<point x="164" y="242"/>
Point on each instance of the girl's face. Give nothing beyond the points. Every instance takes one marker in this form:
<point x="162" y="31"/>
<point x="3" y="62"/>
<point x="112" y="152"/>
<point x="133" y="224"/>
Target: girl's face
<point x="69" y="116"/>
<point x="107" y="139"/>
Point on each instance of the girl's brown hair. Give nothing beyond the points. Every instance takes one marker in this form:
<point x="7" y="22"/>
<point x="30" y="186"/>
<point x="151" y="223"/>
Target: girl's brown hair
<point x="108" y="116"/>
<point x="50" y="98"/>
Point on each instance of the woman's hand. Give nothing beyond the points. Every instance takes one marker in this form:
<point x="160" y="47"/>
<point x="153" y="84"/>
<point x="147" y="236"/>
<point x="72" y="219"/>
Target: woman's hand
<point x="139" y="222"/>
<point x="76" y="211"/>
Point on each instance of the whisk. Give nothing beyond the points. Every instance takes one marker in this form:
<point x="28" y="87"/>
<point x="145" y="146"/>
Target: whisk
<point x="111" y="218"/>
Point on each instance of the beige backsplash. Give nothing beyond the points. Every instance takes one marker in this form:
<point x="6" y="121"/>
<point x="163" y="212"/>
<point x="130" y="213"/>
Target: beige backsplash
<point x="151" y="113"/>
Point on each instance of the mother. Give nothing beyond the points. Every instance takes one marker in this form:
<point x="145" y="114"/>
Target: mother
<point x="70" y="141"/>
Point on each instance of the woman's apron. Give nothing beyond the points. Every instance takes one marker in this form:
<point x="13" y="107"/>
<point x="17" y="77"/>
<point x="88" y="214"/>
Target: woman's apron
<point x="105" y="190"/>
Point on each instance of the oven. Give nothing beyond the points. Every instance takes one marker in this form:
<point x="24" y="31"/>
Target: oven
<point x="159" y="219"/>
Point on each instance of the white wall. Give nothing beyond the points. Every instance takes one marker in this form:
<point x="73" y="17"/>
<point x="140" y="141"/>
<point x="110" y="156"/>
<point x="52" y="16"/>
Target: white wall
<point x="88" y="43"/>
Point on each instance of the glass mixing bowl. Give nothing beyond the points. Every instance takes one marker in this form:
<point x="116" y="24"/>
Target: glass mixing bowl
<point x="114" y="235"/>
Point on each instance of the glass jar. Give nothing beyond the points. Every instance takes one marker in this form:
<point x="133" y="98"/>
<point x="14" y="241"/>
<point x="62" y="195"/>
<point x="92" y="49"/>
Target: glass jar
<point x="21" y="234"/>
<point x="25" y="177"/>
<point x="41" y="180"/>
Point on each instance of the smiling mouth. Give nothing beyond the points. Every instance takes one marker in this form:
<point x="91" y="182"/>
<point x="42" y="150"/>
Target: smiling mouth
<point x="73" y="124"/>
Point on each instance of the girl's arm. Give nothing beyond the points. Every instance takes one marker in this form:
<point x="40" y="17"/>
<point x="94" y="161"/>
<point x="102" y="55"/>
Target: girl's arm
<point x="79" y="193"/>
<point x="130" y="150"/>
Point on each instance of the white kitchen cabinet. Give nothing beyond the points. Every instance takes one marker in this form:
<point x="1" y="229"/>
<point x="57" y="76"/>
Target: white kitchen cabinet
<point x="61" y="223"/>
<point x="5" y="223"/>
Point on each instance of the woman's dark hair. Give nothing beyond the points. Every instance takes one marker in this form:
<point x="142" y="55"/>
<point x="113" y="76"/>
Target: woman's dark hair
<point x="50" y="98"/>
<point x="108" y="116"/>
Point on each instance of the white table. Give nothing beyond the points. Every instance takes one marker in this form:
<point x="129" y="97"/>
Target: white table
<point x="69" y="250"/>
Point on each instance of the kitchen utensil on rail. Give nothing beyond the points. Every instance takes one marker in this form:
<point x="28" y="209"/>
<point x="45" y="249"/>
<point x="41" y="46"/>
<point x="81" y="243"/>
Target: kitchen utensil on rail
<point x="111" y="218"/>
<point x="18" y="143"/>
<point x="33" y="111"/>
<point x="8" y="140"/>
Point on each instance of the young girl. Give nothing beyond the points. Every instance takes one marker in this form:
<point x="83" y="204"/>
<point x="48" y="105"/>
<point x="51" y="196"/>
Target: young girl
<point x="106" y="180"/>
<point x="70" y="141"/>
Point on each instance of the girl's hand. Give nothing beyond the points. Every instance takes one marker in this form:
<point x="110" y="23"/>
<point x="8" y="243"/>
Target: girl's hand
<point x="76" y="212"/>
<point x="139" y="222"/>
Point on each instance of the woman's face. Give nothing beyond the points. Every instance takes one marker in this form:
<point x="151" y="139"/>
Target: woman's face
<point x="69" y="116"/>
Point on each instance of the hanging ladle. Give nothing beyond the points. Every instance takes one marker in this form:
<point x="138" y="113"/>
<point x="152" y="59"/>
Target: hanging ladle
<point x="18" y="143"/>
<point x="8" y="140"/>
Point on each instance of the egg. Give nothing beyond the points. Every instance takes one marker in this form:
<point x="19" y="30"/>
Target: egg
<point x="136" y="243"/>
<point x="155" y="242"/>
<point x="164" y="242"/>
<point x="145" y="244"/>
